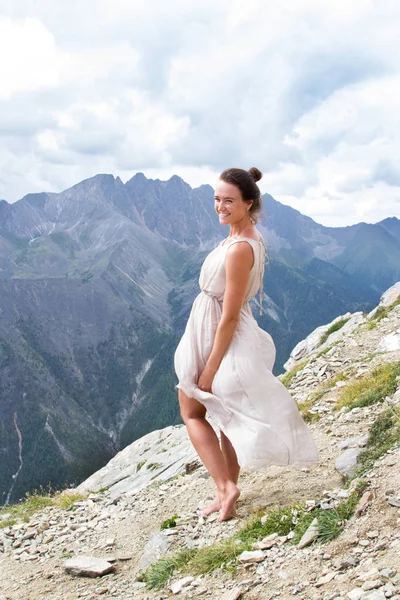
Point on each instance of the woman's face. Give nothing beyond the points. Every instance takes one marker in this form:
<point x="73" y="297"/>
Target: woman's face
<point x="229" y="204"/>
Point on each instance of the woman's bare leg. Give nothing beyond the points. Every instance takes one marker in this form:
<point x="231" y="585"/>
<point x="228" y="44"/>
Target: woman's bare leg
<point x="205" y="441"/>
<point x="231" y="460"/>
<point x="232" y="464"/>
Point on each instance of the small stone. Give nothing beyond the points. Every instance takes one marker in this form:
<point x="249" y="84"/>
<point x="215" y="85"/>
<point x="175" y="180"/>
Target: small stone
<point x="375" y="595"/>
<point x="233" y="594"/>
<point x="310" y="535"/>
<point x="394" y="501"/>
<point x="355" y="594"/>
<point x="88" y="566"/>
<point x="373" y="534"/>
<point x="351" y="561"/>
<point x="387" y="572"/>
<point x="179" y="585"/>
<point x="368" y="575"/>
<point x="251" y="557"/>
<point x="267" y="542"/>
<point x="372" y="585"/>
<point x="389" y="589"/>
<point x="325" y="579"/>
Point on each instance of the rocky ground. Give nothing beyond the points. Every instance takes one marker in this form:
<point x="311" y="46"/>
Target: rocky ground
<point x="158" y="477"/>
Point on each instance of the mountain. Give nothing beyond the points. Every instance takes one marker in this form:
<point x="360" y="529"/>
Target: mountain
<point x="336" y="520"/>
<point x="96" y="284"/>
<point x="370" y="253"/>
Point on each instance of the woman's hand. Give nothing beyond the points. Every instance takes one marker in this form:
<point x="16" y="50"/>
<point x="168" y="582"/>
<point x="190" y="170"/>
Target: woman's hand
<point x="206" y="379"/>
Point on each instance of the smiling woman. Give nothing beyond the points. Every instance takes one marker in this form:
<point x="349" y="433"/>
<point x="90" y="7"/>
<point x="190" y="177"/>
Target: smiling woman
<point x="224" y="360"/>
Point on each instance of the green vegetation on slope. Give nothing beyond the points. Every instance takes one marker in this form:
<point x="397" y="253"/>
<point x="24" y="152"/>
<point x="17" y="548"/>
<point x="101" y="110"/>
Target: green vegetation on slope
<point x="371" y="388"/>
<point x="282" y="520"/>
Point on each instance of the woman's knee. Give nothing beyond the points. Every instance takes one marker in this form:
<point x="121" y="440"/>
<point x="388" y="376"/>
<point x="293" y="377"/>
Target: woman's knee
<point x="190" y="408"/>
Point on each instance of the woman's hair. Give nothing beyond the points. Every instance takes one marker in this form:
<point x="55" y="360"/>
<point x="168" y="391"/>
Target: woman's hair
<point x="246" y="182"/>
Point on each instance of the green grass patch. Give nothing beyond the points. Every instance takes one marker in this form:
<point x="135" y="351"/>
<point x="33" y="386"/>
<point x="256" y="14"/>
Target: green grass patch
<point x="67" y="499"/>
<point x="383" y="312"/>
<point x="34" y="503"/>
<point x="370" y="389"/>
<point x="326" y="350"/>
<point x="305" y="407"/>
<point x="220" y="554"/>
<point x="158" y="574"/>
<point x="168" y="523"/>
<point x="384" y="434"/>
<point x="152" y="466"/>
<point x="287" y="378"/>
<point x="280" y="520"/>
<point x="140" y="465"/>
<point x="335" y="327"/>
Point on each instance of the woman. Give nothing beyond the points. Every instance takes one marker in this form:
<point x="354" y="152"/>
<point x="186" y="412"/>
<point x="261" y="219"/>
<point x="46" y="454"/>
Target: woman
<point x="224" y="360"/>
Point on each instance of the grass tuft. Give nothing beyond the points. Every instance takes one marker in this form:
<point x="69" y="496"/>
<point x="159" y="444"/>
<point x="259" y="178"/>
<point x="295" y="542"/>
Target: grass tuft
<point x="287" y="378"/>
<point x="158" y="574"/>
<point x="326" y="350"/>
<point x="221" y="554"/>
<point x="335" y="327"/>
<point x="35" y="502"/>
<point x="384" y="434"/>
<point x="168" y="523"/>
<point x="304" y="407"/>
<point x="67" y="499"/>
<point x="370" y="389"/>
<point x="383" y="312"/>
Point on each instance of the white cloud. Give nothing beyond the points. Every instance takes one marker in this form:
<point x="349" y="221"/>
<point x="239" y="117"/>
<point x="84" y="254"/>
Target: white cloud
<point x="304" y="90"/>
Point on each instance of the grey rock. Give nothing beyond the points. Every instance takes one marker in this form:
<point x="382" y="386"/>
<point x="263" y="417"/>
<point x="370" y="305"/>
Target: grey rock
<point x="394" y="501"/>
<point x="88" y="566"/>
<point x="233" y="594"/>
<point x="121" y="474"/>
<point x="309" y="535"/>
<point x="346" y="463"/>
<point x="387" y="298"/>
<point x="354" y="442"/>
<point x="355" y="594"/>
<point x="177" y="586"/>
<point x="390" y="342"/>
<point x="251" y="557"/>
<point x="156" y="547"/>
<point x="375" y="595"/>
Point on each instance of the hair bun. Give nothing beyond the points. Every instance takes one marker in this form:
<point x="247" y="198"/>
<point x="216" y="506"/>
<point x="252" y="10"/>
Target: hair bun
<point x="255" y="173"/>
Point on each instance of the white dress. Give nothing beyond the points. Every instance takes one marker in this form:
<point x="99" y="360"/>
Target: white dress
<point x="248" y="403"/>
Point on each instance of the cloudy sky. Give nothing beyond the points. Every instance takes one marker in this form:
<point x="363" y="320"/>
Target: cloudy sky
<point x="306" y="90"/>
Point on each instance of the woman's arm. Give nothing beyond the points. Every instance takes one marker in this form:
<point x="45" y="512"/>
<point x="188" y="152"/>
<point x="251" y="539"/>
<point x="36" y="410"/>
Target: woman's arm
<point x="239" y="261"/>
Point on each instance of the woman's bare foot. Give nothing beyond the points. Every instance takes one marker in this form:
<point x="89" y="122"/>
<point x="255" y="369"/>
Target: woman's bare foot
<point x="215" y="506"/>
<point x="228" y="503"/>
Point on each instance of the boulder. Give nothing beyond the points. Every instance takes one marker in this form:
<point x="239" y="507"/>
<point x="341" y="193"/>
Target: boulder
<point x="158" y="456"/>
<point x="390" y="342"/>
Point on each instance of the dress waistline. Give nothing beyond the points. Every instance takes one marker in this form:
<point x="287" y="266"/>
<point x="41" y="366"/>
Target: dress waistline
<point x="210" y="295"/>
